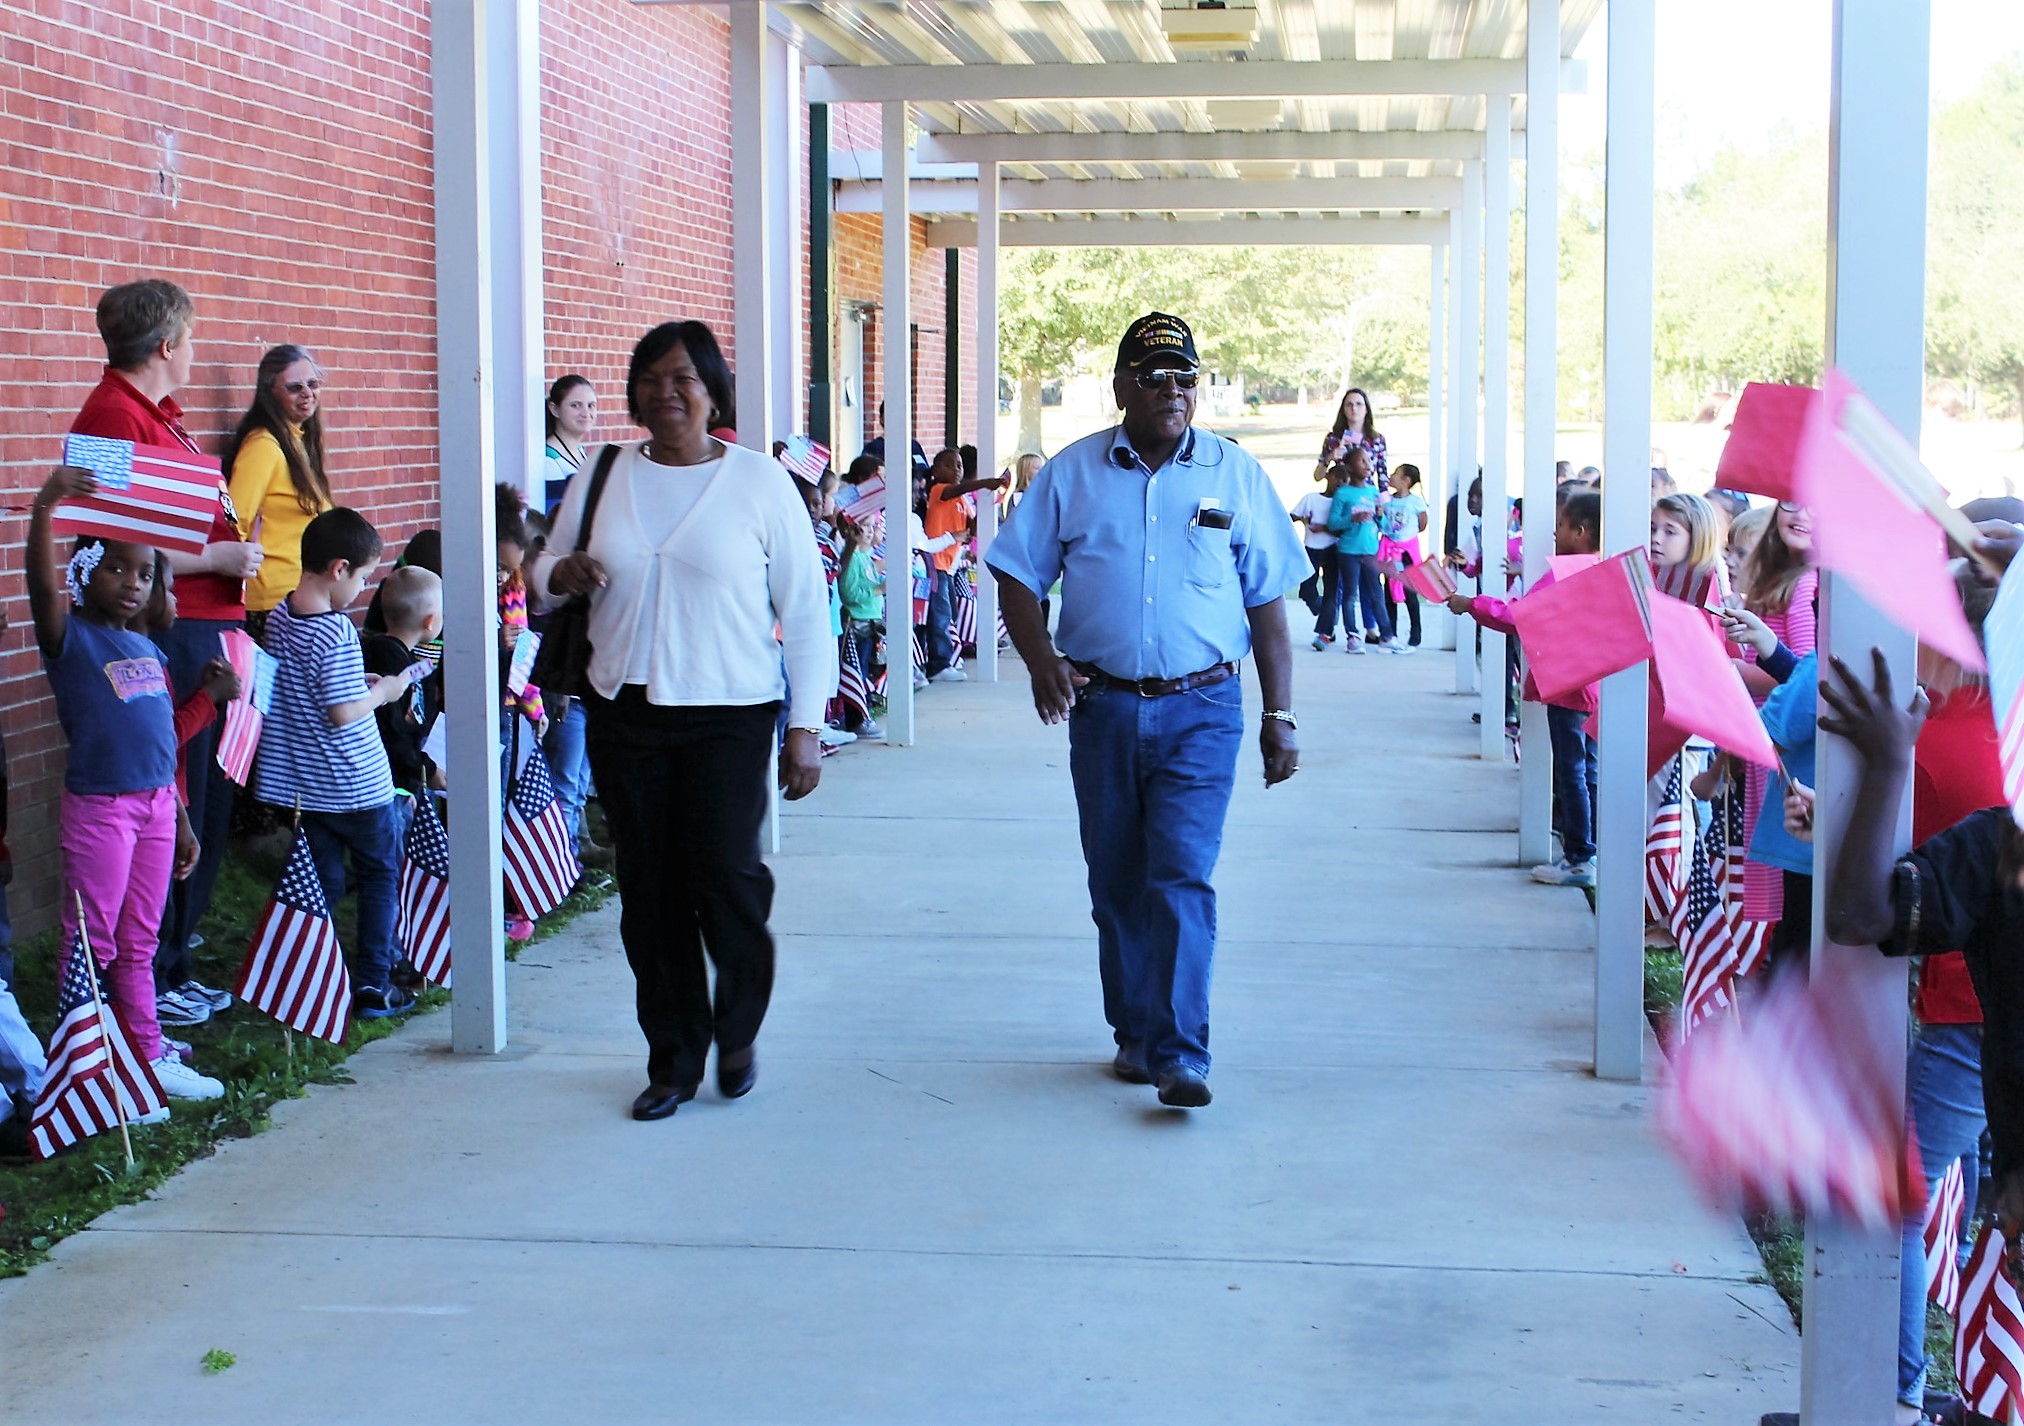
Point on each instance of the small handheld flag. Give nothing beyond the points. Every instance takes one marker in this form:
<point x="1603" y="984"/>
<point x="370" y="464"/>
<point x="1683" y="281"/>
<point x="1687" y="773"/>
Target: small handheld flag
<point x="294" y="970"/>
<point x="424" y="925"/>
<point x="149" y="495"/>
<point x="540" y="860"/>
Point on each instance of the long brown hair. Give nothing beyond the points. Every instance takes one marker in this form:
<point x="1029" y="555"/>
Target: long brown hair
<point x="1342" y="422"/>
<point x="1773" y="572"/>
<point x="304" y="453"/>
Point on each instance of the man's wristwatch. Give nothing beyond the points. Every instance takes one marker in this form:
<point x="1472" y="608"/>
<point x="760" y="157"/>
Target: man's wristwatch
<point x="1282" y="715"/>
<point x="810" y="728"/>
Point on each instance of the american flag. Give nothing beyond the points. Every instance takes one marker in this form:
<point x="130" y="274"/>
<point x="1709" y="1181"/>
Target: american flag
<point x="1666" y="851"/>
<point x="806" y="457"/>
<point x="963" y="628"/>
<point x="294" y="970"/>
<point x="424" y="926"/>
<point x="246" y="715"/>
<point x="90" y="1062"/>
<point x="2003" y="632"/>
<point x="148" y="495"/>
<point x="1989" y="1339"/>
<point x="1752" y="938"/>
<point x="541" y="864"/>
<point x="853" y="690"/>
<point x="1706" y="935"/>
<point x="1944" y="1211"/>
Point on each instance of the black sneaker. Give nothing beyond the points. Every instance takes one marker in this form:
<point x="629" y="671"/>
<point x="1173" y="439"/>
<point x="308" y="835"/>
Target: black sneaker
<point x="404" y="976"/>
<point x="374" y="1002"/>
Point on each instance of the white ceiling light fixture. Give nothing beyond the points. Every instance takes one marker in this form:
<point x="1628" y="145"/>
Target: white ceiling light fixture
<point x="1246" y="115"/>
<point x="1211" y="25"/>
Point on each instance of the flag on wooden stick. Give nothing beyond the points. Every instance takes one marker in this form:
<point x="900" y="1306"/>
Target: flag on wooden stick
<point x="540" y="859"/>
<point x="246" y="715"/>
<point x="95" y="1080"/>
<point x="294" y="970"/>
<point x="424" y="916"/>
<point x="162" y="496"/>
<point x="1944" y="1212"/>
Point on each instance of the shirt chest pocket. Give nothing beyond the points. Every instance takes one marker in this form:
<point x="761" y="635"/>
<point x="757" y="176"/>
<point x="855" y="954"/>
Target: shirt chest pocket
<point x="1210" y="561"/>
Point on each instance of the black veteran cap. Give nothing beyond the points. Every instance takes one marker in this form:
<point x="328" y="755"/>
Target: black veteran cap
<point x="1157" y="334"/>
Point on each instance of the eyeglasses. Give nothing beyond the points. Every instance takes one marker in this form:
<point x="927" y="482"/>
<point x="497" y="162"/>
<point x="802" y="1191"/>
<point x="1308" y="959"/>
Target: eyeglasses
<point x="296" y="388"/>
<point x="1184" y="380"/>
<point x="1791" y="507"/>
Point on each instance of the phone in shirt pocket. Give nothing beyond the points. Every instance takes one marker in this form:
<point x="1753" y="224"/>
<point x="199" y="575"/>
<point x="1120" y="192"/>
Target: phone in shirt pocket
<point x="1209" y="560"/>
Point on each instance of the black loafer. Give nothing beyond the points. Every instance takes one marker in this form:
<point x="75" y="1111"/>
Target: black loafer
<point x="1128" y="1069"/>
<point x="735" y="1080"/>
<point x="658" y="1101"/>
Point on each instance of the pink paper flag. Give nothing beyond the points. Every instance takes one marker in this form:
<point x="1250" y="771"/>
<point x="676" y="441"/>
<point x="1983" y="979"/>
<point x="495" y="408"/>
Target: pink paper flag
<point x="1764" y="439"/>
<point x="1697" y="685"/>
<point x="1580" y="628"/>
<point x="1872" y="506"/>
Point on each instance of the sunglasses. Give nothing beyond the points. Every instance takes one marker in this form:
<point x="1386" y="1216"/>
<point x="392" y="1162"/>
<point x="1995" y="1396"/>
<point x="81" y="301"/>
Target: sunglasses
<point x="1184" y="380"/>
<point x="296" y="388"/>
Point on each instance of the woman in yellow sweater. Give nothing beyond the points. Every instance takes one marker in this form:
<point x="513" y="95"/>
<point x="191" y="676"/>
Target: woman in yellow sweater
<point x="275" y="464"/>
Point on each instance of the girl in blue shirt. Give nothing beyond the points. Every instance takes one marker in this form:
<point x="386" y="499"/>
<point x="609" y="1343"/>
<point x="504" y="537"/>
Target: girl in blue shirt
<point x="1353" y="515"/>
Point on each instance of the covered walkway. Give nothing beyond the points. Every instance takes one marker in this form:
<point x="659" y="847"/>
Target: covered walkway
<point x="1411" y="1199"/>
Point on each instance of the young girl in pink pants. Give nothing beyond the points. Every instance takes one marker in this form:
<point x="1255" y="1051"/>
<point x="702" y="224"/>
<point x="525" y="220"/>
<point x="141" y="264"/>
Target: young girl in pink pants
<point x="119" y="825"/>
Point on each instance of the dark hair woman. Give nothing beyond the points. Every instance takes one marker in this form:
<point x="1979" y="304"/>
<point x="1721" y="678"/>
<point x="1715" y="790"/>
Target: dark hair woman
<point x="1354" y="426"/>
<point x="682" y="700"/>
<point x="274" y="461"/>
<point x="570" y="414"/>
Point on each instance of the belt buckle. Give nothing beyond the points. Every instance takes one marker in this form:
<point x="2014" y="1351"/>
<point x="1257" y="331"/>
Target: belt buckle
<point x="1149" y="687"/>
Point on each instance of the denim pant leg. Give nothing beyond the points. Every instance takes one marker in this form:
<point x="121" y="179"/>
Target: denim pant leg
<point x="1943" y="1096"/>
<point x="372" y="839"/>
<point x="1103" y="762"/>
<point x="1192" y="740"/>
<point x="1573" y="783"/>
<point x="1377" y="611"/>
<point x="941" y="610"/>
<point x="188" y="645"/>
<point x="570" y="765"/>
<point x="1310" y="588"/>
<point x="1338" y="579"/>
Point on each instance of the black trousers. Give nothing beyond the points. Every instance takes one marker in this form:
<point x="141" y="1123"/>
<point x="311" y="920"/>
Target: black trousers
<point x="684" y="793"/>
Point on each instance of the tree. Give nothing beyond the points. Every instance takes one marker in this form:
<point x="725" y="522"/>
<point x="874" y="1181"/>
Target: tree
<point x="1974" y="283"/>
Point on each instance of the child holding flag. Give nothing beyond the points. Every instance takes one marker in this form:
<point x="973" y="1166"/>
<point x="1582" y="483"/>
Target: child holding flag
<point x="119" y="809"/>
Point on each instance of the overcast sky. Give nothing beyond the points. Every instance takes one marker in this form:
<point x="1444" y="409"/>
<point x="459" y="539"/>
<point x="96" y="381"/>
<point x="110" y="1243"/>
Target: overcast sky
<point x="1740" y="71"/>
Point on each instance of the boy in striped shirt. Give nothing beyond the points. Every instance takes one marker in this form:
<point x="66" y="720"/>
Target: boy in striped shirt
<point x="321" y="750"/>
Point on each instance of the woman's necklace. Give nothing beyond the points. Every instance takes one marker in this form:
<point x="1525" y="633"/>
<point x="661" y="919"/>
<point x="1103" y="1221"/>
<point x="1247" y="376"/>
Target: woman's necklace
<point x="713" y="449"/>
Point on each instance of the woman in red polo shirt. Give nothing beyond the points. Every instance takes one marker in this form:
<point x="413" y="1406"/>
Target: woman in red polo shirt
<point x="147" y="328"/>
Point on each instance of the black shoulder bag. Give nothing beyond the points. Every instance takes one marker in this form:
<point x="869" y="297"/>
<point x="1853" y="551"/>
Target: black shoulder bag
<point x="564" y="656"/>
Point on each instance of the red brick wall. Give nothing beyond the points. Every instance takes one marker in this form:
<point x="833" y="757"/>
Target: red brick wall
<point x="275" y="160"/>
<point x="860" y="267"/>
<point x="636" y="183"/>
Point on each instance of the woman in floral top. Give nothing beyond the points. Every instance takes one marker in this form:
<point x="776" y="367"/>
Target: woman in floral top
<point x="1353" y="428"/>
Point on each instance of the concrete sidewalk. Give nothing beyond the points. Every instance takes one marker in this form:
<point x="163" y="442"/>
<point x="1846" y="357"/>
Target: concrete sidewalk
<point x="1409" y="1202"/>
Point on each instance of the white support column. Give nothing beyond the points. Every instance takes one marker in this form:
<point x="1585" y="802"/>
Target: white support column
<point x="1876" y="262"/>
<point x="1626" y="524"/>
<point x="1448" y="323"/>
<point x="1438" y="485"/>
<point x="786" y="196"/>
<point x="1542" y="293"/>
<point x="752" y="184"/>
<point x="464" y="415"/>
<point x="987" y="412"/>
<point x="895" y="321"/>
<point x="513" y="102"/>
<point x="1465" y="394"/>
<point x="1496" y="408"/>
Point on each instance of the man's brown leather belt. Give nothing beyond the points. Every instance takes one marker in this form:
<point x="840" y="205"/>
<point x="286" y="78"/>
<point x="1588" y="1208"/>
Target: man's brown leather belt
<point x="1158" y="687"/>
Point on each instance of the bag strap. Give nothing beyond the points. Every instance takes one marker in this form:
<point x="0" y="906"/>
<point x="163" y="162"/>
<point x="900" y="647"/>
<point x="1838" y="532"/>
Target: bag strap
<point x="598" y="475"/>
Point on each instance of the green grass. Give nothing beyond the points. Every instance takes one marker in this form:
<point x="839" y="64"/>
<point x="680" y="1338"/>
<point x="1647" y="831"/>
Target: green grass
<point x="252" y="1054"/>
<point x="1665" y="980"/>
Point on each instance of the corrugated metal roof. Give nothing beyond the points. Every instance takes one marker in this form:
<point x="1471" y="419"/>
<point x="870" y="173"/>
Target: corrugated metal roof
<point x="838" y="33"/>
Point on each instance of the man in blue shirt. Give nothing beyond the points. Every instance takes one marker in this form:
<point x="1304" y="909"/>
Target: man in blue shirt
<point x="1174" y="555"/>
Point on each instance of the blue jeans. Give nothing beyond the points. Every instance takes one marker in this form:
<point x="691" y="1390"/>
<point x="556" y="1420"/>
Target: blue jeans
<point x="1573" y="782"/>
<point x="569" y="763"/>
<point x="1360" y="584"/>
<point x="941" y="613"/>
<point x="1943" y="1095"/>
<point x="373" y="837"/>
<point x="1152" y="784"/>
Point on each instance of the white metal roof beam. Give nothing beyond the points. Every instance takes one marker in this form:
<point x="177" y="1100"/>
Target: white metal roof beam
<point x="1258" y="79"/>
<point x="1213" y="232"/>
<point x="1380" y="145"/>
<point x="1169" y="195"/>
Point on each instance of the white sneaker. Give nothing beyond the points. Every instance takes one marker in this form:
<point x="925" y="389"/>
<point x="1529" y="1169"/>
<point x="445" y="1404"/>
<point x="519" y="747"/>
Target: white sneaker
<point x="217" y="999"/>
<point x="1353" y="644"/>
<point x="1565" y="873"/>
<point x="179" y="1081"/>
<point x="173" y="1007"/>
<point x="835" y="737"/>
<point x="951" y="674"/>
<point x="869" y="730"/>
<point x="159" y="1116"/>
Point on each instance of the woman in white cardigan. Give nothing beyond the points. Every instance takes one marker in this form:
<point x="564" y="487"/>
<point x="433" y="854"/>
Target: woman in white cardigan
<point x="698" y="551"/>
